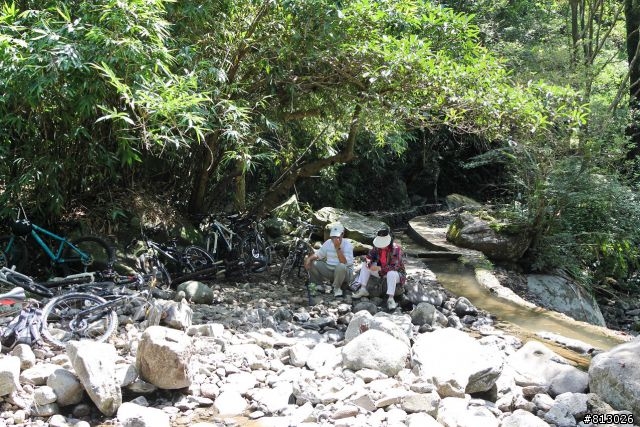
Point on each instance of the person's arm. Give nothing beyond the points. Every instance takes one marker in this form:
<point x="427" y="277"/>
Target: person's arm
<point x="339" y="245"/>
<point x="319" y="254"/>
<point x="347" y="249"/>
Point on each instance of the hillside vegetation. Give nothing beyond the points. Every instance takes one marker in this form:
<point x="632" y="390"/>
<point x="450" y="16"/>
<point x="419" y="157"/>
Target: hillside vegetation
<point x="236" y="105"/>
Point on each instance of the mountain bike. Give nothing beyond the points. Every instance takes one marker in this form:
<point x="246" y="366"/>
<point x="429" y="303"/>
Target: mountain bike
<point x="173" y="265"/>
<point x="87" y="253"/>
<point x="85" y="315"/>
<point x="239" y="246"/>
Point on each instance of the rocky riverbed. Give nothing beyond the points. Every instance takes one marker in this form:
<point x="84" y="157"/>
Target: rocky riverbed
<point x="256" y="354"/>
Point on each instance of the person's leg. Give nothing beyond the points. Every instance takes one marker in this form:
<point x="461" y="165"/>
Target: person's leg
<point x="319" y="272"/>
<point x="341" y="274"/>
<point x="363" y="279"/>
<point x="393" y="278"/>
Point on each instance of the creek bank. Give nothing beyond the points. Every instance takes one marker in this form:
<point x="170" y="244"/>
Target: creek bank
<point x="619" y="315"/>
<point x="259" y="356"/>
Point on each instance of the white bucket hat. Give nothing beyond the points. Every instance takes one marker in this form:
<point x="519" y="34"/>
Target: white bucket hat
<point x="382" y="239"/>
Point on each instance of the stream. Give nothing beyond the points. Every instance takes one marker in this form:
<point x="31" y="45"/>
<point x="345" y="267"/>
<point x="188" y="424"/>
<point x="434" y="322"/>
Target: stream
<point x="520" y="321"/>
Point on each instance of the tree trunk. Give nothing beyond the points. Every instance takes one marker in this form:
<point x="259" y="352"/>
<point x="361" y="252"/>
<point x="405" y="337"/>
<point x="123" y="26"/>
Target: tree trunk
<point x="240" y="187"/>
<point x="575" y="32"/>
<point x="281" y="190"/>
<point x="632" y="19"/>
<point x="204" y="168"/>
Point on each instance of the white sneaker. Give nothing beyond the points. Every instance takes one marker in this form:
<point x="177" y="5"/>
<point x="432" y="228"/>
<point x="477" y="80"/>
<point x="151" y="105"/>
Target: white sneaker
<point x="337" y="292"/>
<point x="391" y="304"/>
<point x="362" y="292"/>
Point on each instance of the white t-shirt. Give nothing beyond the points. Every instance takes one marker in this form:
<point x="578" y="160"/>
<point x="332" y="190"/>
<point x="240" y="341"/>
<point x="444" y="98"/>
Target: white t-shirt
<point x="328" y="251"/>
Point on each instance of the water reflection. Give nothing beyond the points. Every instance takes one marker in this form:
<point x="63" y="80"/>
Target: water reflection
<point x="461" y="280"/>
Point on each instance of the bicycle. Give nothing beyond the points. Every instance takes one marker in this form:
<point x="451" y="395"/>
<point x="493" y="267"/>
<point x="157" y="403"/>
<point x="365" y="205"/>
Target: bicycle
<point x="184" y="264"/>
<point x="240" y="246"/>
<point x="72" y="256"/>
<point x="299" y="249"/>
<point x="85" y="315"/>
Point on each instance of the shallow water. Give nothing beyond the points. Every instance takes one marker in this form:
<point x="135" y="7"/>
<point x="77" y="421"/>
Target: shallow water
<point x="461" y="281"/>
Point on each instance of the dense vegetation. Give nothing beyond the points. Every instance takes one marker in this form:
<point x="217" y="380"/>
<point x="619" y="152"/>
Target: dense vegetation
<point x="239" y="103"/>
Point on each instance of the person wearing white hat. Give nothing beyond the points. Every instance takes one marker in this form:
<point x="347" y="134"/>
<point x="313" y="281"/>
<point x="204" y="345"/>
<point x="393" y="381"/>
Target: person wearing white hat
<point x="333" y="261"/>
<point x="384" y="261"/>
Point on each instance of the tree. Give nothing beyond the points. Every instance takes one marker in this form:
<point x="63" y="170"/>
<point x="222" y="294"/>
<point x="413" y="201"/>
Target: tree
<point x="306" y="77"/>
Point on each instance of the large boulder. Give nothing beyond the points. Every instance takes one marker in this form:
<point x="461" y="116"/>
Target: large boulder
<point x="357" y="227"/>
<point x="536" y="364"/>
<point x="456" y="363"/>
<point x="472" y="232"/>
<point x="560" y="294"/>
<point x="377" y="350"/>
<point x="456" y="201"/>
<point x="94" y="364"/>
<point x="163" y="358"/>
<point x="615" y="375"/>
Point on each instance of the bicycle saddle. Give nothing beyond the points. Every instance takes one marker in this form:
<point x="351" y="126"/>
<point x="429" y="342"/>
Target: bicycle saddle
<point x="21" y="227"/>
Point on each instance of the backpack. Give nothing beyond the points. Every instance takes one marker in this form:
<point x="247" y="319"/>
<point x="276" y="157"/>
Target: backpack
<point x="23" y="329"/>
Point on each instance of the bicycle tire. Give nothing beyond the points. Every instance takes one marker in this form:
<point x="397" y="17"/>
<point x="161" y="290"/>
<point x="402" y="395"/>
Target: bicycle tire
<point x="197" y="258"/>
<point x="255" y="253"/>
<point x="60" y="326"/>
<point x="16" y="255"/>
<point x="102" y="256"/>
<point x="28" y="285"/>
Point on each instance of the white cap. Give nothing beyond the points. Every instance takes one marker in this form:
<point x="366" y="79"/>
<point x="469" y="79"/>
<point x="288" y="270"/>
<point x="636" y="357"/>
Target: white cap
<point x="336" y="230"/>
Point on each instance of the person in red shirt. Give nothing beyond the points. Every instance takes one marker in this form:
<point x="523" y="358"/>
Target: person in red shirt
<point x="385" y="261"/>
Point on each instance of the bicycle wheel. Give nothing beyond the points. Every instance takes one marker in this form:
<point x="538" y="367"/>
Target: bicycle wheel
<point x="62" y="319"/>
<point x="13" y="253"/>
<point x="255" y="253"/>
<point x="101" y="256"/>
<point x="196" y="258"/>
<point x="28" y="284"/>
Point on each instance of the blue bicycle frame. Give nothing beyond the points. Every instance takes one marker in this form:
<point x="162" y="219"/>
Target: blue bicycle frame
<point x="57" y="256"/>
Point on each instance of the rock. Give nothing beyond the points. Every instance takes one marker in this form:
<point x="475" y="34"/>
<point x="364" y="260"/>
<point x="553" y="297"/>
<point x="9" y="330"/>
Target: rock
<point x="163" y="357"/>
<point x="456" y="201"/>
<point x="66" y="386"/>
<point x="94" y="364"/>
<point x="520" y="417"/>
<point x="376" y="350"/>
<point x="357" y="227"/>
<point x="423" y="314"/>
<point x="230" y="403"/>
<point x="196" y="292"/>
<point x="132" y="415"/>
<point x="469" y="231"/>
<point x="460" y="366"/>
<point x="394" y="325"/>
<point x="615" y="375"/>
<point x="9" y="374"/>
<point x="560" y="294"/>
<point x="26" y="355"/>
<point x="538" y="364"/>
